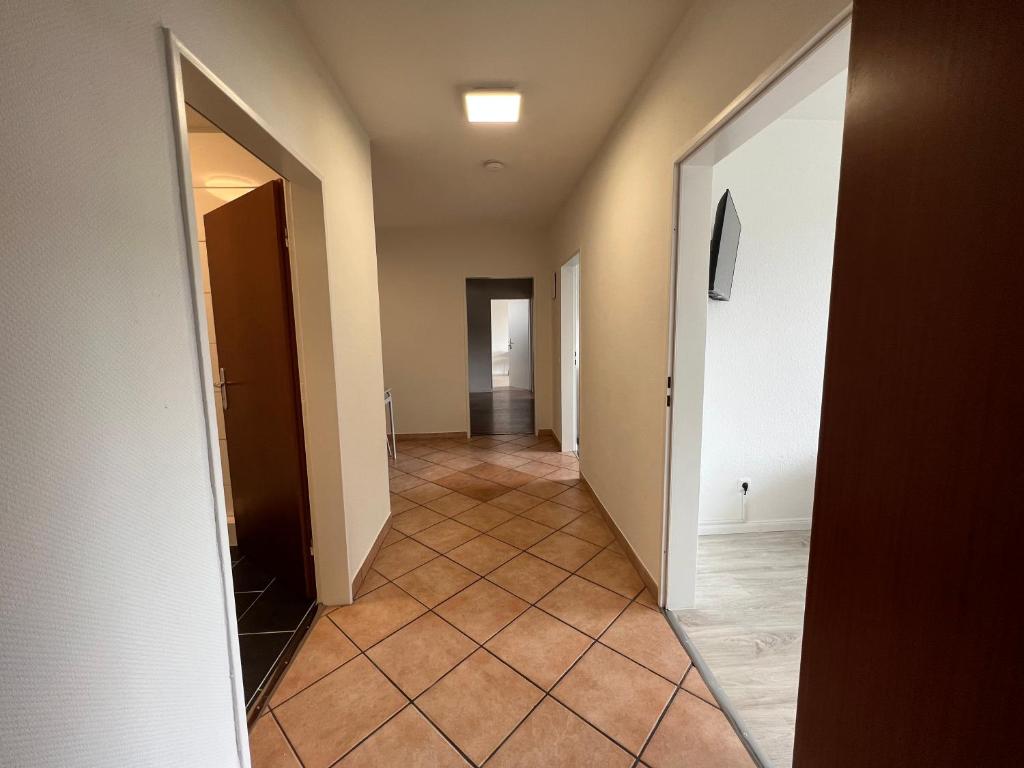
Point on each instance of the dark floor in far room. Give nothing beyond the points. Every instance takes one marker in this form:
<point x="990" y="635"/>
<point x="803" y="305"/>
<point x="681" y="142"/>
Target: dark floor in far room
<point x="502" y="411"/>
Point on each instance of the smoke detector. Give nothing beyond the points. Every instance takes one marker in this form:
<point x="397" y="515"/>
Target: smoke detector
<point x="493" y="166"/>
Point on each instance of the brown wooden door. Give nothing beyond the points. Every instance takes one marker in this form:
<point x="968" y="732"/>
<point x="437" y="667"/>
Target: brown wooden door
<point x="250" y="283"/>
<point x="913" y="650"/>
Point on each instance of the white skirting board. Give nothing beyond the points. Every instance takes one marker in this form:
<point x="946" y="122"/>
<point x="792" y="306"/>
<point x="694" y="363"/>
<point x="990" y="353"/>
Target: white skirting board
<point x="754" y="526"/>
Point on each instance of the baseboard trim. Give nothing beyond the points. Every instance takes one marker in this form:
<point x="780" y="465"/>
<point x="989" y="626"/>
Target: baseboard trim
<point x="364" y="569"/>
<point x="755" y="526"/>
<point x="550" y="433"/>
<point x="431" y="436"/>
<point x="645" y="576"/>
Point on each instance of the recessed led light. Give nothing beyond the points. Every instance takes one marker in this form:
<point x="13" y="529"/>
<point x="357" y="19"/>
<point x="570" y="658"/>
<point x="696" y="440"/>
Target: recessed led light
<point x="492" y="106"/>
<point x="493" y="165"/>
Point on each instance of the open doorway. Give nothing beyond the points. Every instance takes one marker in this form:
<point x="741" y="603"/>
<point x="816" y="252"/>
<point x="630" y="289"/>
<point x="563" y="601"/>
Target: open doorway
<point x="499" y="325"/>
<point x="569" y="277"/>
<point x="750" y="326"/>
<point x="242" y="236"/>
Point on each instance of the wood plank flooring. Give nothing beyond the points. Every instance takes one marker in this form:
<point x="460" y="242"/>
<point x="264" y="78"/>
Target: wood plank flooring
<point x="503" y="411"/>
<point x="748" y="625"/>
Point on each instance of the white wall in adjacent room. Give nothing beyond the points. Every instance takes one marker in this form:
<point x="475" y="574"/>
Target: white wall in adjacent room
<point x="766" y="345"/>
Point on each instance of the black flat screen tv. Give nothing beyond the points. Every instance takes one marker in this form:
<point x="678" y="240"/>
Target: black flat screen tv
<point x="725" y="243"/>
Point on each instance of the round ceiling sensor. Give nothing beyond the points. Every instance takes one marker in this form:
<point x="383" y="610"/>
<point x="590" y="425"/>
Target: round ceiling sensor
<point x="493" y="165"/>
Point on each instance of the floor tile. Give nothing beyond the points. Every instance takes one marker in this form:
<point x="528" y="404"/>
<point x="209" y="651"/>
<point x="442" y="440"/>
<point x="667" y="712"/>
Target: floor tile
<point x="586" y="606"/>
<point x="577" y="498"/>
<point x="248" y="576"/>
<point x="416" y="656"/>
<point x="536" y="468"/>
<point x="528" y="577"/>
<point x="425" y="492"/>
<point x="400" y="503"/>
<point x="480" y="610"/>
<point x="372" y="618"/>
<point x="409" y="464"/>
<point x="483" y="554"/>
<point x="436" y="581"/>
<point x="401" y="483"/>
<point x="616" y="695"/>
<point x="516" y="501"/>
<point x="484" y="517"/>
<point x="391" y="562"/>
<point x="565" y="551"/>
<point x="551" y="514"/>
<point x="459" y="463"/>
<point x="646" y="598"/>
<point x="695" y="735"/>
<point x="258" y="654"/>
<point x="244" y="601"/>
<point x="452" y="504"/>
<point x="540" y="647"/>
<point x="486" y="470"/>
<point x="568" y="477"/>
<point x="646" y="637"/>
<point x="508" y="460"/>
<point x="407" y="740"/>
<point x="324" y="650"/>
<point x="590" y="528"/>
<point x="554" y="736"/>
<point x="446" y="535"/>
<point x="543" y="488"/>
<point x="431" y="472"/>
<point x="614" y="572"/>
<point x="561" y="460"/>
<point x="474" y="487"/>
<point x="278" y="609"/>
<point x="512" y="478"/>
<point x="415" y="520"/>
<point x="414" y="449"/>
<point x="371" y="582"/>
<point x="393" y="537"/>
<point x="330" y="717"/>
<point x="520" y="532"/>
<point x="694" y="683"/>
<point x="465" y="707"/>
<point x="268" y="746"/>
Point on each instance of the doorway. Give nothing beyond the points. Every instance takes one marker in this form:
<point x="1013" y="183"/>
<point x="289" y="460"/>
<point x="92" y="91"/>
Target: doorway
<point x="499" y="325"/>
<point x="570" y="356"/>
<point x="749" y="329"/>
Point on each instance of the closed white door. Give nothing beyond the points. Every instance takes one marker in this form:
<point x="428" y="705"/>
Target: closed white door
<point x="520" y="360"/>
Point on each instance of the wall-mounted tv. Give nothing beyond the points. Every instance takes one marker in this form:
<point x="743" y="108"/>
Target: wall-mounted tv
<point x="725" y="242"/>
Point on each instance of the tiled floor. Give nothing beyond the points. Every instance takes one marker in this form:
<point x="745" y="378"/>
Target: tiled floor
<point x="501" y="625"/>
<point x="269" y="616"/>
<point x="502" y="411"/>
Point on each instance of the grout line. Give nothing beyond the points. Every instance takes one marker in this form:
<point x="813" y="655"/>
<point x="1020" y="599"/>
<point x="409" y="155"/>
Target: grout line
<point x="242" y="614"/>
<point x="287" y="740"/>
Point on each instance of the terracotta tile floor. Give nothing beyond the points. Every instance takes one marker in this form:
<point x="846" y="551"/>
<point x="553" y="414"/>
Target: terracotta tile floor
<point x="500" y="625"/>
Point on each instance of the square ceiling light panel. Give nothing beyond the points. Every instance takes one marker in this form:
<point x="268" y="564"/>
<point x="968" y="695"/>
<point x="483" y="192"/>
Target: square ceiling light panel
<point x="492" y="106"/>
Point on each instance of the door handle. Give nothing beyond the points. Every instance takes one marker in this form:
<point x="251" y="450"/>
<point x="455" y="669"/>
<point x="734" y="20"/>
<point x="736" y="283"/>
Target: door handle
<point x="223" y="386"/>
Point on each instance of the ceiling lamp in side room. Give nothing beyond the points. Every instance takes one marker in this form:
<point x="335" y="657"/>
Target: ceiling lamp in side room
<point x="493" y="166"/>
<point x="492" y="106"/>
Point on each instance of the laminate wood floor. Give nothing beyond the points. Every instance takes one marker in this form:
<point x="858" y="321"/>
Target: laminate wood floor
<point x="503" y="411"/>
<point x="748" y="625"/>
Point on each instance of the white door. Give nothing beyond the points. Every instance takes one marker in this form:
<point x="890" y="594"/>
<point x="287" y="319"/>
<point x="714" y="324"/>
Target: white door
<point x="520" y="374"/>
<point x="576" y="354"/>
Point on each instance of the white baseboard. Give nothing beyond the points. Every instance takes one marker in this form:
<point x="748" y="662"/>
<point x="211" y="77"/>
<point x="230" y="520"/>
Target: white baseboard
<point x="754" y="526"/>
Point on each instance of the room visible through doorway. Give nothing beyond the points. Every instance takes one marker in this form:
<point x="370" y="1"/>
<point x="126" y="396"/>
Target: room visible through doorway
<point x="499" y="315"/>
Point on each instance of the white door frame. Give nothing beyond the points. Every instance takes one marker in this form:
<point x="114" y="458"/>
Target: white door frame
<point x="569" y="277"/>
<point x="782" y="86"/>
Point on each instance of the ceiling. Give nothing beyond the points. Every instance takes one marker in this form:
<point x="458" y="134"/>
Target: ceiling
<point x="402" y="65"/>
<point x="828" y="102"/>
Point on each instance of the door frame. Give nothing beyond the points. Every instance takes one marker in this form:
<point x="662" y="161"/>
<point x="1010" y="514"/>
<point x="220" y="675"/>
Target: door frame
<point x="313" y="336"/>
<point x="688" y="280"/>
<point x="569" y="310"/>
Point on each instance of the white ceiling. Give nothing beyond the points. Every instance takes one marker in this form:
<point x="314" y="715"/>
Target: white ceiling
<point x="402" y="65"/>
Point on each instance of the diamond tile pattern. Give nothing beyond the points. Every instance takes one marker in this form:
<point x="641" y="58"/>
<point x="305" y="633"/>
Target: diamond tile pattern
<point x="500" y="623"/>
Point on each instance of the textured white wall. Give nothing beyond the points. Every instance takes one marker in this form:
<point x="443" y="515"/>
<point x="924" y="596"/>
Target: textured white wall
<point x="766" y="345"/>
<point x="113" y="641"/>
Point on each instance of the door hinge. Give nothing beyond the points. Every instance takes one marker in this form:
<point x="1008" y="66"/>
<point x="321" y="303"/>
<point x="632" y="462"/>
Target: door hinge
<point x="310" y="550"/>
<point x="668" y="401"/>
<point x="287" y="241"/>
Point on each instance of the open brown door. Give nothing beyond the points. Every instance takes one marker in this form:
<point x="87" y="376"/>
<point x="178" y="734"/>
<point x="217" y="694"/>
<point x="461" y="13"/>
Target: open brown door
<point x="913" y="649"/>
<point x="252" y="307"/>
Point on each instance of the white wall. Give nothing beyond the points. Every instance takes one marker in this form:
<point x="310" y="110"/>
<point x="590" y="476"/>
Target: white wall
<point x="499" y="325"/>
<point x="620" y="217"/>
<point x="423" y="316"/>
<point x="766" y="345"/>
<point x="114" y="638"/>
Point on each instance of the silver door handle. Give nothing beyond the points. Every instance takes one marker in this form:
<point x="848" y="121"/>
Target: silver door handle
<point x="223" y="386"/>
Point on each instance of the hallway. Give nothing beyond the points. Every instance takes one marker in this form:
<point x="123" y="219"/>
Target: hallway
<point x="502" y="411"/>
<point x="500" y="624"/>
